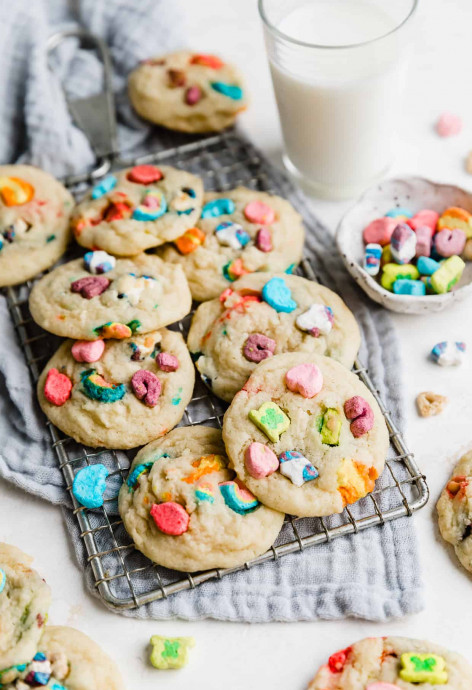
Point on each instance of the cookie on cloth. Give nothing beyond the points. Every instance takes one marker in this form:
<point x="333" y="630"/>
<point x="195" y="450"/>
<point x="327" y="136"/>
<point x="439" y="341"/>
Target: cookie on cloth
<point x="137" y="208"/>
<point x="305" y="435"/>
<point x="136" y="295"/>
<point x="66" y="660"/>
<point x="230" y="335"/>
<point x="184" y="508"/>
<point x="393" y="663"/>
<point x="186" y="91"/>
<point x="24" y="605"/>
<point x="241" y="231"/>
<point x="34" y="222"/>
<point x="455" y="511"/>
<point x="118" y="393"/>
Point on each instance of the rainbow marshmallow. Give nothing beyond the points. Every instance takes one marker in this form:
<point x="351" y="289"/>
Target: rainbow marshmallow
<point x="205" y="493"/>
<point x="96" y="388"/>
<point x="238" y="498"/>
<point x="154" y="206"/>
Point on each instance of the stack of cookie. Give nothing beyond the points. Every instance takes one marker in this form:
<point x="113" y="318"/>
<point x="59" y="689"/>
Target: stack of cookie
<point x="33" y="654"/>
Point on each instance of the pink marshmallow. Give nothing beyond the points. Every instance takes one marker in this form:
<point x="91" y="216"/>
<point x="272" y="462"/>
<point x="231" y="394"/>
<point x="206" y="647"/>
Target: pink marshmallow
<point x="426" y="217"/>
<point x="170" y="518"/>
<point x="361" y="413"/>
<point x="424" y="239"/>
<point x="260" y="460"/>
<point x="167" y="362"/>
<point x="448" y="125"/>
<point x="87" y="350"/>
<point x="450" y="242"/>
<point x="264" y="240"/>
<point x="305" y="379"/>
<point x="146" y="387"/>
<point x="258" y="212"/>
<point x="380" y="230"/>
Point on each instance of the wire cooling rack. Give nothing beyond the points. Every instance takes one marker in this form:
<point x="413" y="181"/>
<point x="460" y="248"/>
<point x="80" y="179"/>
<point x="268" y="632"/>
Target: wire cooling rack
<point x="125" y="578"/>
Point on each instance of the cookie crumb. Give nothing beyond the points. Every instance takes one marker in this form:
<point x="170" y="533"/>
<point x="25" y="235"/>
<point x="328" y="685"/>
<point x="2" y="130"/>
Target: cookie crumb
<point x="430" y="404"/>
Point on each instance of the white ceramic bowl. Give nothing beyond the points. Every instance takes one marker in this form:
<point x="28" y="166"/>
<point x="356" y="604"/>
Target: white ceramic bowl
<point x="414" y="193"/>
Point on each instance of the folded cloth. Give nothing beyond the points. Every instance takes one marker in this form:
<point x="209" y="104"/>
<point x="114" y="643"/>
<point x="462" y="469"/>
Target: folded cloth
<point x="373" y="574"/>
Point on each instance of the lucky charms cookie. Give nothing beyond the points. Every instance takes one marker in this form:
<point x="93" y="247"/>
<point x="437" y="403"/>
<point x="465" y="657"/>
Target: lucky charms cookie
<point x="102" y="297"/>
<point x="305" y="435"/>
<point x="34" y="222"/>
<point x="24" y="605"/>
<point x="138" y="208"/>
<point x="190" y="92"/>
<point x="66" y="660"/>
<point x="240" y="231"/>
<point x="263" y="315"/>
<point x="185" y="509"/>
<point x="393" y="663"/>
<point x="118" y="393"/>
<point x="455" y="511"/>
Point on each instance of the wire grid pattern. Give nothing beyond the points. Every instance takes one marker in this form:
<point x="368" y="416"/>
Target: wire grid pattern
<point x="227" y="160"/>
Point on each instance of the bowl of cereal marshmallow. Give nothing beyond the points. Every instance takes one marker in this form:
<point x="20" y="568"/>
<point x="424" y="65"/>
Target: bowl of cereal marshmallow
<point x="408" y="243"/>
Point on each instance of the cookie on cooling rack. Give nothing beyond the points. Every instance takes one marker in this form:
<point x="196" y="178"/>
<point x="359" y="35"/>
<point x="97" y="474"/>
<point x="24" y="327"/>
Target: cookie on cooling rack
<point x="66" y="660"/>
<point x="241" y="231"/>
<point x="393" y="663"/>
<point x="189" y="92"/>
<point x="100" y="297"/>
<point x="305" y="435"/>
<point x="34" y="222"/>
<point x="24" y="605"/>
<point x="118" y="393"/>
<point x="263" y="315"/>
<point x="184" y="509"/>
<point x="138" y="208"/>
<point x="455" y="511"/>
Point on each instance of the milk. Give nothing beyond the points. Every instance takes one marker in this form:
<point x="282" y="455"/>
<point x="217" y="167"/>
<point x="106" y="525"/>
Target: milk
<point x="339" y="107"/>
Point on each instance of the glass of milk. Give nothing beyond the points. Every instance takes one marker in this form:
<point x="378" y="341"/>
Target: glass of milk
<point x="337" y="68"/>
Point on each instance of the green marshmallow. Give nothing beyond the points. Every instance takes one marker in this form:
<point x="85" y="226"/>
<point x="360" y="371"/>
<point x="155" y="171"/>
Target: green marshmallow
<point x="391" y="273"/>
<point x="330" y="427"/>
<point x="170" y="652"/>
<point x="270" y="419"/>
<point x="423" y="668"/>
<point x="447" y="275"/>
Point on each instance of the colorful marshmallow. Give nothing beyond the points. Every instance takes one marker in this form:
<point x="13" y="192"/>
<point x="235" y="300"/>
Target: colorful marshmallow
<point x="259" y="212"/>
<point x="218" y="207"/>
<point x="448" y="353"/>
<point x="258" y="347"/>
<point x="15" y="192"/>
<point x="138" y="471"/>
<point x="57" y="387"/>
<point x="424" y="241"/>
<point x="260" y="460"/>
<point x="379" y="231"/>
<point x="152" y="207"/>
<point x="278" y="295"/>
<point x="89" y="485"/>
<point x="205" y="493"/>
<point x="447" y="275"/>
<point x="167" y="362"/>
<point x="424" y="218"/>
<point x="427" y="266"/>
<point x="297" y="468"/>
<point x="87" y="350"/>
<point x="423" y="668"/>
<point x="305" y="379"/>
<point x="393" y="272"/>
<point x="450" y="242"/>
<point x="145" y="174"/>
<point x="3" y="581"/>
<point x="360" y="412"/>
<point x="115" y="330"/>
<point x="329" y="426"/>
<point x="403" y="244"/>
<point x="170" y="652"/>
<point x="317" y="320"/>
<point x="146" y="387"/>
<point x="238" y="498"/>
<point x="97" y="388"/>
<point x="264" y="240"/>
<point x="232" y="235"/>
<point x="456" y="217"/>
<point x="372" y="258"/>
<point x="99" y="262"/>
<point x="90" y="286"/>
<point x="170" y="518"/>
<point x="448" y="125"/>
<point x="104" y="186"/>
<point x="190" y="241"/>
<point x="184" y="202"/>
<point x="232" y="91"/>
<point x="271" y="420"/>
<point x="399" y="213"/>
<point x="404" y="286"/>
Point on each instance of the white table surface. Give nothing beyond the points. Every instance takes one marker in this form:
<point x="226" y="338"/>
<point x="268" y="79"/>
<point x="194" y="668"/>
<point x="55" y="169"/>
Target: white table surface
<point x="282" y="656"/>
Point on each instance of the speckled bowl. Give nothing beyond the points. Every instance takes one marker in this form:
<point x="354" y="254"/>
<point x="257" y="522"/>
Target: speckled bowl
<point x="414" y="193"/>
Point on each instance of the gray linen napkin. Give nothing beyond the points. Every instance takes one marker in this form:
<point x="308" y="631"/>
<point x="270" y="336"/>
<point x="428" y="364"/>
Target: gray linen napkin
<point x="374" y="574"/>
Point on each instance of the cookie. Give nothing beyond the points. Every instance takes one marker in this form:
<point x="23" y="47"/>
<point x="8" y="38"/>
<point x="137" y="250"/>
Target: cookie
<point x="393" y="663"/>
<point x="34" y="222"/>
<point x="455" y="511"/>
<point x="138" y="295"/>
<point x="66" y="660"/>
<point x="184" y="509"/>
<point x="230" y="335"/>
<point x="186" y="91"/>
<point x="123" y="399"/>
<point x="241" y="231"/>
<point x="138" y="208"/>
<point x="24" y="605"/>
<point x="305" y="435"/>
